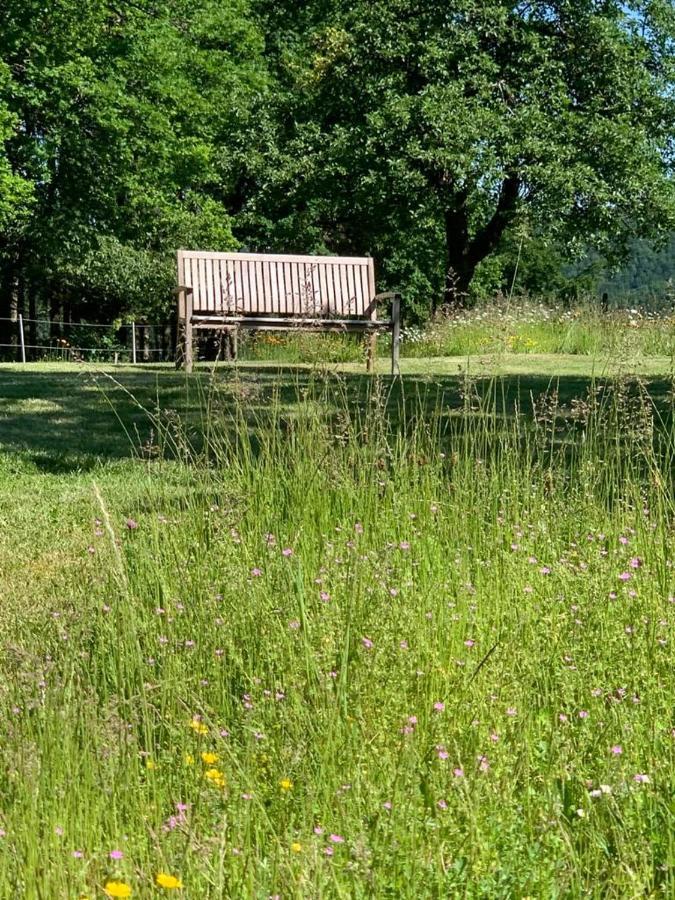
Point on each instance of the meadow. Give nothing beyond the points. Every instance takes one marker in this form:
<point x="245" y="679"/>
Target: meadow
<point x="274" y="631"/>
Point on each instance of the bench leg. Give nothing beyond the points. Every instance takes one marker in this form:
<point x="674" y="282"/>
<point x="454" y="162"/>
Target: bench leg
<point x="187" y="334"/>
<point x="395" y="334"/>
<point x="371" y="352"/>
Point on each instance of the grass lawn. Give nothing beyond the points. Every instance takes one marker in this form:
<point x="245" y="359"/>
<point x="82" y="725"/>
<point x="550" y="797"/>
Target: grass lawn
<point x="302" y="632"/>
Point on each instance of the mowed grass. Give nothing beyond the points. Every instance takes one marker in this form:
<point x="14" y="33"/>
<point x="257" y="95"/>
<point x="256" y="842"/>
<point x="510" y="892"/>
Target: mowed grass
<point x="291" y="632"/>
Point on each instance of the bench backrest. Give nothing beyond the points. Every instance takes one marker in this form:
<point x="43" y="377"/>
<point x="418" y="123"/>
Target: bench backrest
<point x="262" y="284"/>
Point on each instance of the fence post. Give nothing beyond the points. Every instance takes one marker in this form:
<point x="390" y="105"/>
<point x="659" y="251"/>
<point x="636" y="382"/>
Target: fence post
<point x="21" y="338"/>
<point x="133" y="343"/>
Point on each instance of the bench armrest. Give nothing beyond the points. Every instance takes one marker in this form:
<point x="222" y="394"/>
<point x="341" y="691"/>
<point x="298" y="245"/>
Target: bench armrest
<point x="183" y="287"/>
<point x="387" y="295"/>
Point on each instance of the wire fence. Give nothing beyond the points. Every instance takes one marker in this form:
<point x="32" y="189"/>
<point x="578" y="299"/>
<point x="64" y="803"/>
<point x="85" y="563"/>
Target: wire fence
<point x="25" y="339"/>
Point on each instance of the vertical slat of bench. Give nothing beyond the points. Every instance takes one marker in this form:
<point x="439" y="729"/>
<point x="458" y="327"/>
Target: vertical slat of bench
<point x="344" y="290"/>
<point x="371" y="309"/>
<point x="267" y="286"/>
<point x="180" y="261"/>
<point x="371" y="290"/>
<point x="210" y="285"/>
<point x="295" y="302"/>
<point x="365" y="290"/>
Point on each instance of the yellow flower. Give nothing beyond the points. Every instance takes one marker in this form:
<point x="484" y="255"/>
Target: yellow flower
<point x="189" y="759"/>
<point x="296" y="847"/>
<point x="285" y="784"/>
<point x="170" y="882"/>
<point x="150" y="764"/>
<point x="209" y="758"/>
<point x="117" y="889"/>
<point x="216" y="777"/>
<point x="199" y="727"/>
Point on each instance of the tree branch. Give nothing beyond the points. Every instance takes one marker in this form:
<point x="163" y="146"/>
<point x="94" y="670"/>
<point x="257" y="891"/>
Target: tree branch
<point x="485" y="240"/>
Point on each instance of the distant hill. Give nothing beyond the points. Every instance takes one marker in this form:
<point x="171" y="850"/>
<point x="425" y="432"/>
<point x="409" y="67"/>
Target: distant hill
<point x="647" y="279"/>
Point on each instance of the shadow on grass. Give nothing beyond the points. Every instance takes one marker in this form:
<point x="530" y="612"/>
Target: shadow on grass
<point x="67" y="421"/>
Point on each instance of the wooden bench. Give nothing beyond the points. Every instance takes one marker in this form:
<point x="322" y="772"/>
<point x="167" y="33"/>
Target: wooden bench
<point x="229" y="291"/>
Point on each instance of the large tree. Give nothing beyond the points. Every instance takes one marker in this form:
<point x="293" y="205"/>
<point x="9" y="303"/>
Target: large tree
<point x="423" y="131"/>
<point x="121" y="115"/>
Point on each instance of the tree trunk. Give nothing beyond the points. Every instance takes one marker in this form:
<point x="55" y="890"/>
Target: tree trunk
<point x="464" y="253"/>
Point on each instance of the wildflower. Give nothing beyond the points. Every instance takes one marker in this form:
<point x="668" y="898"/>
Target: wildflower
<point x="216" y="777"/>
<point x="116" y="854"/>
<point x="169" y="882"/>
<point x="581" y="813"/>
<point x="641" y="779"/>
<point x="78" y="854"/>
<point x="635" y="562"/>
<point x="336" y="839"/>
<point x="189" y="759"/>
<point x="296" y="847"/>
<point x="198" y="726"/>
<point x="324" y="596"/>
<point x="404" y="545"/>
<point x="625" y="576"/>
<point x="442" y="804"/>
<point x="150" y="764"/>
<point x="210" y="759"/>
<point x="469" y="642"/>
<point x="439" y="706"/>
<point x="294" y="624"/>
<point x="256" y="573"/>
<point x="117" y="889"/>
<point x="367" y="643"/>
<point x="511" y="711"/>
<point x="387" y="804"/>
<point x="458" y="772"/>
<point x="583" y="714"/>
<point x="328" y="851"/>
<point x="441" y="751"/>
<point x="285" y="784"/>
<point x="287" y="551"/>
<point x="131" y="524"/>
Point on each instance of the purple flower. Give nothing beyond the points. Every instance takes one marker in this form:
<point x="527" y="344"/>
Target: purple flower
<point x="404" y="545"/>
<point x="116" y="854"/>
<point x="469" y="642"/>
<point x="287" y="551"/>
<point x="625" y="576"/>
<point x="256" y="573"/>
<point x="616" y="750"/>
<point x="583" y="714"/>
<point x="442" y="752"/>
<point x="458" y="773"/>
<point x="511" y="711"/>
<point x="336" y="839"/>
<point x="294" y="624"/>
<point x="131" y="524"/>
<point x="324" y="596"/>
<point x="635" y="562"/>
<point x="367" y="643"/>
<point x="439" y="706"/>
<point x="78" y="854"/>
<point x="641" y="779"/>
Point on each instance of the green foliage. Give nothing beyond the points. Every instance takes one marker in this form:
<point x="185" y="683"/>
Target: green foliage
<point x="122" y="123"/>
<point x="421" y="133"/>
<point x="431" y="136"/>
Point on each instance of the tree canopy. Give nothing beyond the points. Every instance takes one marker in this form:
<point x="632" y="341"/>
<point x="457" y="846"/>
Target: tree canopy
<point x="428" y="135"/>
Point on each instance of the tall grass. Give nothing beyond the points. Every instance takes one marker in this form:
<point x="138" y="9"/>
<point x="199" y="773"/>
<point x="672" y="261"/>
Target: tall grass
<point x="333" y="652"/>
<point x="502" y="327"/>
